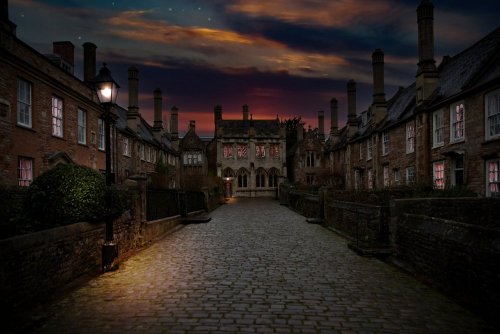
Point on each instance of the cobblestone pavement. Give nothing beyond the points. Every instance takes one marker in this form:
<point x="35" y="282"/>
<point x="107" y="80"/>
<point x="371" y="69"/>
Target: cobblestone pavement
<point x="257" y="267"/>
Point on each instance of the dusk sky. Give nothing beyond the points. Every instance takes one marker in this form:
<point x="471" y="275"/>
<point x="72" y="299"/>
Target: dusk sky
<point x="281" y="57"/>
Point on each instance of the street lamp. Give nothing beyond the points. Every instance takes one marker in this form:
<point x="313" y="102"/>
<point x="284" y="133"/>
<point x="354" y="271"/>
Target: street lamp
<point x="107" y="90"/>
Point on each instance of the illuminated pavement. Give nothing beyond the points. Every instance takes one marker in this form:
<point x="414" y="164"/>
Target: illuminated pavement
<point x="256" y="267"/>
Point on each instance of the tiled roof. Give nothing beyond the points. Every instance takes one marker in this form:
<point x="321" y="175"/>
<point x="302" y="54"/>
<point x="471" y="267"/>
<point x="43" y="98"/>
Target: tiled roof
<point x="239" y="128"/>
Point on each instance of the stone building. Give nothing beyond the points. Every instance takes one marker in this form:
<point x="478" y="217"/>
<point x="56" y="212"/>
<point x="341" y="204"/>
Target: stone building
<point x="306" y="161"/>
<point x="443" y="130"/>
<point x="49" y="116"/>
<point x="194" y="161"/>
<point x="251" y="154"/>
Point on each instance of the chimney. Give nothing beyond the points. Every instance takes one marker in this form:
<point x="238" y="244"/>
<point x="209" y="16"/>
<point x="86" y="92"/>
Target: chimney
<point x="4" y="17"/>
<point x="245" y="112"/>
<point x="158" y="120"/>
<point x="334" y="119"/>
<point x="217" y="118"/>
<point x="300" y="132"/>
<point x="321" y="124"/>
<point x="133" y="118"/>
<point x="379" y="105"/>
<point x="174" y="123"/>
<point x="427" y="74"/>
<point x="89" y="61"/>
<point x="66" y="50"/>
<point x="352" y="121"/>
<point x="192" y="125"/>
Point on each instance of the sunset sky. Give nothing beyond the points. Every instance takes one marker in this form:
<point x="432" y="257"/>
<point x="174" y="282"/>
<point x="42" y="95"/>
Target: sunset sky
<point x="281" y="57"/>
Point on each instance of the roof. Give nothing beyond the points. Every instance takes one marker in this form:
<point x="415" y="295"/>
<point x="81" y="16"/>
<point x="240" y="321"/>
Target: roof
<point x="241" y="128"/>
<point x="191" y="141"/>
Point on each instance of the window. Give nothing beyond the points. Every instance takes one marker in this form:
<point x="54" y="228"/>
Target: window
<point x="310" y="179"/>
<point x="126" y="147"/>
<point x="370" y="179"/>
<point x="357" y="179"/>
<point x="458" y="171"/>
<point x="492" y="111"/>
<point x="360" y="151"/>
<point x="57" y="117"/>
<point x="82" y="126"/>
<point x="242" y="151"/>
<point x="457" y="122"/>
<point x="274" y="151"/>
<point x="242" y="180"/>
<point x="260" y="151"/>
<point x="142" y="154"/>
<point x="397" y="175"/>
<point x="438" y="174"/>
<point x="100" y="125"/>
<point x="410" y="175"/>
<point x="273" y="178"/>
<point x="493" y="178"/>
<point x="25" y="171"/>
<point x="260" y="179"/>
<point x="369" y="149"/>
<point x="385" y="142"/>
<point x="386" y="176"/>
<point x="437" y="129"/>
<point x="310" y="156"/>
<point x="228" y="151"/>
<point x="23" y="103"/>
<point x="148" y="153"/>
<point x="410" y="137"/>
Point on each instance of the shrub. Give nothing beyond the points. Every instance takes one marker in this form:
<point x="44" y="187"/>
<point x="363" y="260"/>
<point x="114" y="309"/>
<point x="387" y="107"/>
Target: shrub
<point x="11" y="209"/>
<point x="68" y="194"/>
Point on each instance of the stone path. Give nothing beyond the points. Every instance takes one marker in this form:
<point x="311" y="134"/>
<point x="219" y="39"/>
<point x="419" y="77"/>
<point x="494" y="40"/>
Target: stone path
<point x="257" y="267"/>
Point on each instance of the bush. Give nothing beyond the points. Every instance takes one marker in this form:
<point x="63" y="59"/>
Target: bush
<point x="68" y="194"/>
<point x="11" y="209"/>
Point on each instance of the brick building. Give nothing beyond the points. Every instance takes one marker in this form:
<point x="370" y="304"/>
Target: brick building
<point x="49" y="116"/>
<point x="443" y="130"/>
<point x="251" y="154"/>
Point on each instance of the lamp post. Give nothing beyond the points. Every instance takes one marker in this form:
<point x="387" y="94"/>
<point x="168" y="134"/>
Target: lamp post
<point x="107" y="90"/>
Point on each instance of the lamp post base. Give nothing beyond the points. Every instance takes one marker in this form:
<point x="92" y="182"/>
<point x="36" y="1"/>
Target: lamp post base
<point x="109" y="256"/>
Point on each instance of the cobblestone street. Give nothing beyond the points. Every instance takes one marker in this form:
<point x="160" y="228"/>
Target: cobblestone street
<point x="256" y="267"/>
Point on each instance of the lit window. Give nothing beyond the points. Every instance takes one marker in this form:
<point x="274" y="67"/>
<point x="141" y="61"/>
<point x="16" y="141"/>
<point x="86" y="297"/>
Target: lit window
<point x="228" y="151"/>
<point x="274" y="151"/>
<point x="100" y="137"/>
<point x="242" y="151"/>
<point x="410" y="137"/>
<point x="57" y="117"/>
<point x="23" y="103"/>
<point x="386" y="176"/>
<point x="82" y="126"/>
<point x="457" y="122"/>
<point x="410" y="175"/>
<point x="25" y="171"/>
<point x="492" y="111"/>
<point x="260" y="151"/>
<point x="370" y="179"/>
<point x="438" y="128"/>
<point x="385" y="142"/>
<point x="438" y="175"/>
<point x="369" y="149"/>
<point x="493" y="178"/>
<point x="126" y="147"/>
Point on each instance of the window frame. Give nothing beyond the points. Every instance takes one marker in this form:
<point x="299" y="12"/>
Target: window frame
<point x="410" y="137"/>
<point x="410" y="175"/>
<point x="385" y="142"/>
<point x="25" y="104"/>
<point x="369" y="149"/>
<point x="57" y="117"/>
<point x="82" y="127"/>
<point x="436" y="130"/>
<point x="126" y="146"/>
<point x="101" y="144"/>
<point x="489" y="180"/>
<point x="21" y="171"/>
<point x="386" y="176"/>
<point x="438" y="176"/>
<point x="454" y="108"/>
<point x="487" y="126"/>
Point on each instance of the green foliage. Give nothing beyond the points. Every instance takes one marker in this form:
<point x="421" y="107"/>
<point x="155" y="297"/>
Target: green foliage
<point x="71" y="193"/>
<point x="11" y="211"/>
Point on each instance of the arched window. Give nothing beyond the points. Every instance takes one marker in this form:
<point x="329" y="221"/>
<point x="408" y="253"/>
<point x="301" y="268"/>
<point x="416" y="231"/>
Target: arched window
<point x="228" y="172"/>
<point x="242" y="178"/>
<point x="273" y="178"/>
<point x="260" y="178"/>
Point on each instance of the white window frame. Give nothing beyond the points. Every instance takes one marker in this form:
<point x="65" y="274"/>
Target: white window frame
<point x="410" y="175"/>
<point x="397" y="175"/>
<point x="492" y="115"/>
<point x="457" y="126"/>
<point x="370" y="179"/>
<point x="142" y="153"/>
<point x="310" y="159"/>
<point x="82" y="126"/>
<point x="410" y="137"/>
<point x="437" y="128"/>
<point x="492" y="177"/>
<point x="369" y="149"/>
<point x="24" y="103"/>
<point x="455" y="169"/>
<point x="438" y="175"/>
<point x="387" y="179"/>
<point x="357" y="179"/>
<point x="100" y="134"/>
<point x="57" y="117"/>
<point x="385" y="142"/>
<point x="126" y="147"/>
<point x="360" y="151"/>
<point x="25" y="171"/>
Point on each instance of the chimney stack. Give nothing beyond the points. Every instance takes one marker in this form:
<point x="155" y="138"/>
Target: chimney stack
<point x="427" y="74"/>
<point x="352" y="122"/>
<point x="66" y="50"/>
<point x="192" y="125"/>
<point x="4" y="17"/>
<point x="174" y="123"/>
<point x="321" y="124"/>
<point x="133" y="118"/>
<point x="89" y="61"/>
<point x="245" y="112"/>
<point x="379" y="105"/>
<point x="158" y="120"/>
<point x="300" y="132"/>
<point x="334" y="119"/>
